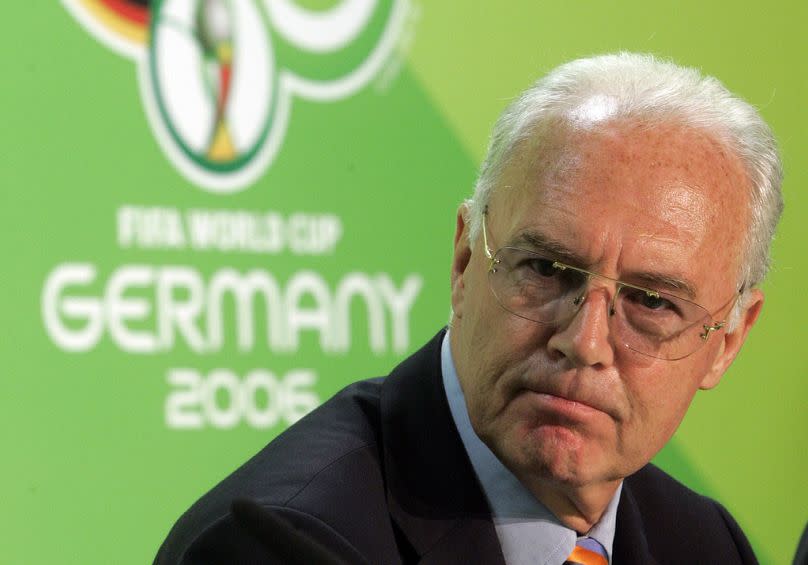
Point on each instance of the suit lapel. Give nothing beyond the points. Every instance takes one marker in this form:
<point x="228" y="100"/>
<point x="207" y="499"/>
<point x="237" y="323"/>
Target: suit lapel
<point x="630" y="543"/>
<point x="432" y="491"/>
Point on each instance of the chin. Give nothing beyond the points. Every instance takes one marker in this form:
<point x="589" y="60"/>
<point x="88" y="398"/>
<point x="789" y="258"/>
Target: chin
<point x="559" y="456"/>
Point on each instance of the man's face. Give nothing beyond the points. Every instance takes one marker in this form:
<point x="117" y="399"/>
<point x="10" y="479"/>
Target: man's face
<point x="562" y="402"/>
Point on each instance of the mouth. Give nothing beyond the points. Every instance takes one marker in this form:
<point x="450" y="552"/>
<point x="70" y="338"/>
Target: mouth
<point x="569" y="408"/>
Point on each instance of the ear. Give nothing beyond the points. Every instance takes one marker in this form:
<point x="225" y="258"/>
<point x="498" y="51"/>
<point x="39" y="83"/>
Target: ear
<point x="732" y="342"/>
<point x="460" y="259"/>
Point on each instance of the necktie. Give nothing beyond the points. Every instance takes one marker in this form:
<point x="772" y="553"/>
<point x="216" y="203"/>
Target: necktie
<point x="587" y="552"/>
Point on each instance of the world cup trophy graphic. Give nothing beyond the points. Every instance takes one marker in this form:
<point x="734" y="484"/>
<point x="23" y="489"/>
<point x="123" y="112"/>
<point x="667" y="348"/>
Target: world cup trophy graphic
<point x="214" y="32"/>
<point x="218" y="77"/>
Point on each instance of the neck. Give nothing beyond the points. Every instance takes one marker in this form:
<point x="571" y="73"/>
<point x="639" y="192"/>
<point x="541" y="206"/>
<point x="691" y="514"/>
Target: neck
<point x="578" y="508"/>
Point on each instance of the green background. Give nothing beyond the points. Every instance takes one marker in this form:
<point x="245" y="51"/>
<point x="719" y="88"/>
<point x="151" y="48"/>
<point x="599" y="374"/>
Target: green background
<point x="91" y="474"/>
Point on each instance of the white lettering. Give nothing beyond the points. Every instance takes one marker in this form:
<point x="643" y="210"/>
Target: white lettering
<point x="399" y="304"/>
<point x="244" y="289"/>
<point x="150" y="227"/>
<point x="254" y="232"/>
<point x="358" y="285"/>
<point x="223" y="400"/>
<point x="179" y="315"/>
<point x="151" y="309"/>
<point x="298" y="396"/>
<point x="227" y="414"/>
<point x="120" y="309"/>
<point x="261" y="380"/>
<point x="181" y="405"/>
<point x="86" y="309"/>
<point x="308" y="318"/>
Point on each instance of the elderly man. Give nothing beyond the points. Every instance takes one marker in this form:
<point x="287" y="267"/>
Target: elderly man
<point x="605" y="270"/>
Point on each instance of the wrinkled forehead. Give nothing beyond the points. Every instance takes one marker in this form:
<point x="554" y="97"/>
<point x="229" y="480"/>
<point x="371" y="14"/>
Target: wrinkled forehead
<point x="657" y="189"/>
<point x="669" y="168"/>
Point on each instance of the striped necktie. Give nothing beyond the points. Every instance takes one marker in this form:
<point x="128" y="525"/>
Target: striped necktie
<point x="587" y="552"/>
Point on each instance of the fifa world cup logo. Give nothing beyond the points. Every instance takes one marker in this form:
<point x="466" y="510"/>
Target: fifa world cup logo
<point x="218" y="77"/>
<point x="214" y="31"/>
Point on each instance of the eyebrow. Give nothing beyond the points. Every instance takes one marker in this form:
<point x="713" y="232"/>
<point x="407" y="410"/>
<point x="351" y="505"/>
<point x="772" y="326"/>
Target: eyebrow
<point x="541" y="243"/>
<point x="537" y="241"/>
<point x="656" y="280"/>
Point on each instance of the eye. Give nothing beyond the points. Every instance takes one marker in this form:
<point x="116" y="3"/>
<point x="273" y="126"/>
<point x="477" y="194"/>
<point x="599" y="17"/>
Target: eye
<point x="543" y="267"/>
<point x="653" y="301"/>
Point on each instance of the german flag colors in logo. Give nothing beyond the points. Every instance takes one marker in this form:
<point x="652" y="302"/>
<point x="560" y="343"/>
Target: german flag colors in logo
<point x="217" y="77"/>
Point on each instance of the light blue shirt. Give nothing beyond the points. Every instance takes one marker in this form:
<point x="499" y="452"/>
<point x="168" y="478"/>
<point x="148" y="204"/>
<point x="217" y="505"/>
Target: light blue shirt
<point x="528" y="532"/>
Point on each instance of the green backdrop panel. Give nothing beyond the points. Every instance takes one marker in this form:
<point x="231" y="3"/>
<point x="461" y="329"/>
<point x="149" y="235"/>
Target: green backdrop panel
<point x="168" y="315"/>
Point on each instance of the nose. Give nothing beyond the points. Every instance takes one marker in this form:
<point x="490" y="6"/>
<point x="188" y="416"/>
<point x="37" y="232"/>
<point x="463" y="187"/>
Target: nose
<point x="584" y="338"/>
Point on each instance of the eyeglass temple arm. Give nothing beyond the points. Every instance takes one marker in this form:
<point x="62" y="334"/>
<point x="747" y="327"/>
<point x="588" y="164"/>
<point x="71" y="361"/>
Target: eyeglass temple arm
<point x="718" y="325"/>
<point x="709" y="329"/>
<point x="488" y="252"/>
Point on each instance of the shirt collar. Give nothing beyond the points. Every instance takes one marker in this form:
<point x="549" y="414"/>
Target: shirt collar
<point x="528" y="531"/>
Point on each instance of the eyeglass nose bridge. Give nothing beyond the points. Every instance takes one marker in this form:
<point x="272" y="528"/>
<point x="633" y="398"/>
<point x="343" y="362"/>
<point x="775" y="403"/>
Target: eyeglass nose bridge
<point x="578" y="300"/>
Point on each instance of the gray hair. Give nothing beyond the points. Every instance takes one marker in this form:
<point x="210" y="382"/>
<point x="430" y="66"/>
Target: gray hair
<point x="639" y="86"/>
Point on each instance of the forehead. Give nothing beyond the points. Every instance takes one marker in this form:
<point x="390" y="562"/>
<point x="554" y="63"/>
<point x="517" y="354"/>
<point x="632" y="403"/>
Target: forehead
<point x="626" y="195"/>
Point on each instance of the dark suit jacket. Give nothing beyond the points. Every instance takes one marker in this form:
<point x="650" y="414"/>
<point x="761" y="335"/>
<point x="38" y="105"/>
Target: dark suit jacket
<point x="378" y="474"/>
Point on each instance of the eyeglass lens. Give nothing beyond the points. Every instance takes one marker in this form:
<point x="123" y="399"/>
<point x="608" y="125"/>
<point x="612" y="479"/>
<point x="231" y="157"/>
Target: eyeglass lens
<point x="653" y="323"/>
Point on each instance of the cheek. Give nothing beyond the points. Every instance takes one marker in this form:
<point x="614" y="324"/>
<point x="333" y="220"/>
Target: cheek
<point x="502" y="352"/>
<point x="659" y="398"/>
